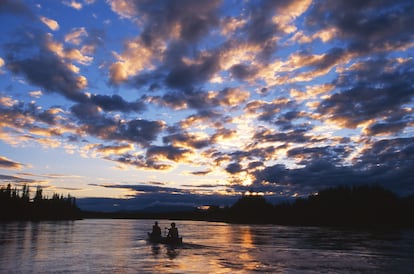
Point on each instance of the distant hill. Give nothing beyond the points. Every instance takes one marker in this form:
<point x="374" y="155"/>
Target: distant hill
<point x="167" y="209"/>
<point x="366" y="205"/>
<point x="408" y="199"/>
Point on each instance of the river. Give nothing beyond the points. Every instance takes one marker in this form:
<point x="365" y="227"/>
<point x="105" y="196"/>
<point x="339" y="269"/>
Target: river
<point x="120" y="246"/>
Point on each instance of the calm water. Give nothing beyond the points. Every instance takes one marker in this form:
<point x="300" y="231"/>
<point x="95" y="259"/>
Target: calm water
<point x="120" y="246"/>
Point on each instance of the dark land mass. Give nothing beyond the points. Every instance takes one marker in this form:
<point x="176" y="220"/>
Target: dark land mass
<point x="368" y="205"/>
<point x="17" y="205"/>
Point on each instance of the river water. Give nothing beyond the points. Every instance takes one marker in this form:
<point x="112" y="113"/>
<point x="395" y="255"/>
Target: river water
<point x="120" y="246"/>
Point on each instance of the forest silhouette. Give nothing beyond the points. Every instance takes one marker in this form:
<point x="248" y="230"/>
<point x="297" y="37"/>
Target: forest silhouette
<point x="366" y="205"/>
<point x="339" y="206"/>
<point x="17" y="205"/>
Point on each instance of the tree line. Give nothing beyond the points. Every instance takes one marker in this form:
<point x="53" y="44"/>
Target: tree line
<point x="17" y="204"/>
<point x="338" y="206"/>
<point x="366" y="205"/>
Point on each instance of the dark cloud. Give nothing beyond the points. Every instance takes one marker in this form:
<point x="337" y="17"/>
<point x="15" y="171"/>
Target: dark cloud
<point x="387" y="128"/>
<point x="178" y="25"/>
<point x="117" y="103"/>
<point x="113" y="149"/>
<point x="49" y="72"/>
<point x="269" y="111"/>
<point x="97" y="123"/>
<point x="243" y="72"/>
<point x="293" y="136"/>
<point x="15" y="7"/>
<point x="234" y="168"/>
<point x="140" y="162"/>
<point x="187" y="140"/>
<point x="261" y="28"/>
<point x="370" y="92"/>
<point x="286" y="120"/>
<point x="140" y="131"/>
<point x="386" y="162"/>
<point x="188" y="98"/>
<point x="194" y="17"/>
<point x="86" y="112"/>
<point x="202" y="173"/>
<point x="393" y="153"/>
<point x="254" y="165"/>
<point x="15" y="180"/>
<point x="367" y="25"/>
<point x="7" y="163"/>
<point x="333" y="155"/>
<point x="30" y="56"/>
<point x="183" y="75"/>
<point x="331" y="58"/>
<point x="172" y="153"/>
<point x="318" y="174"/>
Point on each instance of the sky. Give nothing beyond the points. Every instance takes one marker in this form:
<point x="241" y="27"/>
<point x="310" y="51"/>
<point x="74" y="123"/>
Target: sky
<point x="127" y="104"/>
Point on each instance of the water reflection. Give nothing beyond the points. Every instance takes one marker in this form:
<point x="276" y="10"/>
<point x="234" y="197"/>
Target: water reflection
<point x="121" y="246"/>
<point x="156" y="250"/>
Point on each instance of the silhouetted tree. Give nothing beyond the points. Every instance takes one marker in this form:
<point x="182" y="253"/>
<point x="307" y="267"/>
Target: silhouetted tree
<point x="38" y="196"/>
<point x="251" y="209"/>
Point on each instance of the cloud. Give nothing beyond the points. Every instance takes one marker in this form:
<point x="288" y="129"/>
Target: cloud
<point x="94" y="122"/>
<point x="369" y="92"/>
<point x="385" y="23"/>
<point x="1" y="65"/>
<point x="23" y="123"/>
<point x="15" y="180"/>
<point x="36" y="93"/>
<point x="52" y="24"/>
<point x="7" y="163"/>
<point x="333" y="155"/>
<point x="52" y="74"/>
<point x="116" y="102"/>
<point x="177" y="20"/>
<point x="76" y="36"/>
<point x="291" y="96"/>
<point x="45" y="69"/>
<point x="386" y="162"/>
<point x="234" y="168"/>
<point x="292" y="136"/>
<point x="202" y="173"/>
<point x="141" y="131"/>
<point x="115" y="149"/>
<point x="160" y="153"/>
<point x="186" y="140"/>
<point x="73" y="4"/>
<point x="141" y="162"/>
<point x="15" y="7"/>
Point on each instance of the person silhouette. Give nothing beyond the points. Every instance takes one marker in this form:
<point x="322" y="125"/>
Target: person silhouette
<point x="156" y="230"/>
<point x="172" y="232"/>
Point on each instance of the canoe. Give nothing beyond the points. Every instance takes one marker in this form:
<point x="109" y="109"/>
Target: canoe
<point x="165" y="240"/>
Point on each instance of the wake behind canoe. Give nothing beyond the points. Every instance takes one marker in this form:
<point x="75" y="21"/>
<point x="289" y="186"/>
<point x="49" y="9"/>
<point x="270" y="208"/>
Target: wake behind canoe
<point x="165" y="240"/>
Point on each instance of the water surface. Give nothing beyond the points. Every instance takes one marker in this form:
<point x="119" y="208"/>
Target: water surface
<point x="109" y="246"/>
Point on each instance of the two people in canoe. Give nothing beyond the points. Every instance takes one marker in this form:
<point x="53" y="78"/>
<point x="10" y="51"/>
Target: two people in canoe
<point x="172" y="231"/>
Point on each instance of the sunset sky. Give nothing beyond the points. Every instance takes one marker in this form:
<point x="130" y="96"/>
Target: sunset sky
<point x="127" y="104"/>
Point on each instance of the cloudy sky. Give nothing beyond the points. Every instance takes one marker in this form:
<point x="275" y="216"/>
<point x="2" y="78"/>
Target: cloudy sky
<point x="158" y="102"/>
